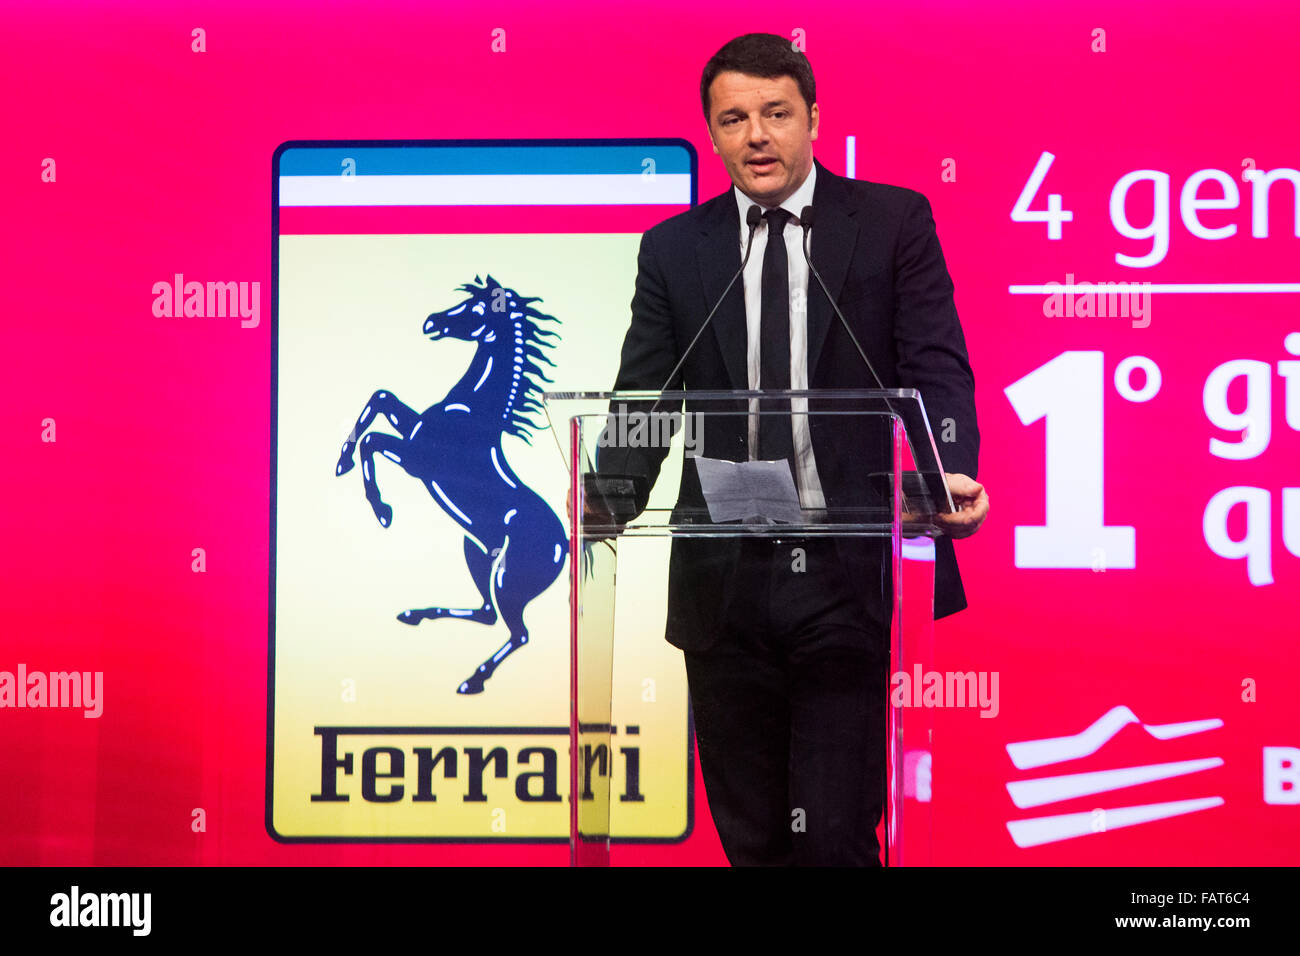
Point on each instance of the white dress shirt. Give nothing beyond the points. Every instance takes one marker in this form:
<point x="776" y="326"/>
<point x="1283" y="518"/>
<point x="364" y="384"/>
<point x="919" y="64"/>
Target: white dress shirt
<point x="810" y="488"/>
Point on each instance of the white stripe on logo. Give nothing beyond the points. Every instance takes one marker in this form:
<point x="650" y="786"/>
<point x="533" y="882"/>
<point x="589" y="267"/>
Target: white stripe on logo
<point x="1035" y="793"/>
<point x="664" y="189"/>
<point x="1068" y="825"/>
<point x="1028" y="754"/>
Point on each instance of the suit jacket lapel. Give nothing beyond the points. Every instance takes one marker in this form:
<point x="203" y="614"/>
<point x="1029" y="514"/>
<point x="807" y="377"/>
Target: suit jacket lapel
<point x="718" y="253"/>
<point x="834" y="236"/>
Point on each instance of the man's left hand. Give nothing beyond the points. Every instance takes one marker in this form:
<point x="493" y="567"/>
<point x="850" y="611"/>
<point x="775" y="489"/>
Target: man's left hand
<point x="972" y="503"/>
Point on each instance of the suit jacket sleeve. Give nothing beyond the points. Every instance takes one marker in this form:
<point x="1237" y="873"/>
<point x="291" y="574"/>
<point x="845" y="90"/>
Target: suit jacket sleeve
<point x="930" y="348"/>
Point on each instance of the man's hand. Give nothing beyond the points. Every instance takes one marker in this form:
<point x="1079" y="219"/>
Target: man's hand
<point x="972" y="503"/>
<point x="591" y="515"/>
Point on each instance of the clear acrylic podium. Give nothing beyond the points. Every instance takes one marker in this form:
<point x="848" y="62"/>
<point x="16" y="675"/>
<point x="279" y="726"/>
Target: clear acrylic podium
<point x="881" y="480"/>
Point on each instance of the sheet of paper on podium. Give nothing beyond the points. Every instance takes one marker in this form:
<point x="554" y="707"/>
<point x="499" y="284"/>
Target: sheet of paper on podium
<point x="751" y="491"/>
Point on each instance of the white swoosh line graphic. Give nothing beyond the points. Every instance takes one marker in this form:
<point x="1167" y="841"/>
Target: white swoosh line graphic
<point x="1066" y="826"/>
<point x="1038" y="753"/>
<point x="1170" y="731"/>
<point x="1035" y="793"/>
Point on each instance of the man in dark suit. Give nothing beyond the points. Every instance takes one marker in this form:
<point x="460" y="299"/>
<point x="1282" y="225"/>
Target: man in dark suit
<point x="786" y="641"/>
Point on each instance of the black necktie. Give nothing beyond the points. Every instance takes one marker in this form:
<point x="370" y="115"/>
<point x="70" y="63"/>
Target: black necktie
<point x="775" y="439"/>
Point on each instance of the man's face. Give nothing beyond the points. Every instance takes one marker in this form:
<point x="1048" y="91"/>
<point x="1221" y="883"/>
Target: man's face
<point x="763" y="131"/>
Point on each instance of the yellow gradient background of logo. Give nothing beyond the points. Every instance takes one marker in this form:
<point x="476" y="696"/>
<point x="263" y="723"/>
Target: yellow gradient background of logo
<point x="351" y="311"/>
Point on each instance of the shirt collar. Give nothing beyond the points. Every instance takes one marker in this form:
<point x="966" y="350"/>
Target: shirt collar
<point x="803" y="196"/>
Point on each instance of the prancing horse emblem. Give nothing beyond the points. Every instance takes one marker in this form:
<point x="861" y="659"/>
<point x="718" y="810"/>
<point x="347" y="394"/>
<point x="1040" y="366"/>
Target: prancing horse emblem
<point x="515" y="545"/>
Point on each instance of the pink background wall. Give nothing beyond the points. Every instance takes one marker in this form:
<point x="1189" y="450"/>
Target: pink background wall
<point x="163" y="165"/>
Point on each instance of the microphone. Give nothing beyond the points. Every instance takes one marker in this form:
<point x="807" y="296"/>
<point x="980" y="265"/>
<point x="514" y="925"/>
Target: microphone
<point x="914" y="484"/>
<point x="752" y="219"/>
<point x="806" y="220"/>
<point x="623" y="496"/>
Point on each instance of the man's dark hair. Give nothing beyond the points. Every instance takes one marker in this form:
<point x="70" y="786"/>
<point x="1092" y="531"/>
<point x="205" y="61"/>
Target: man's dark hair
<point x="760" y="54"/>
